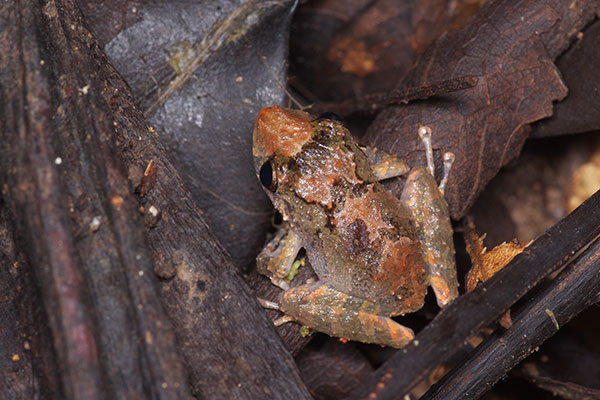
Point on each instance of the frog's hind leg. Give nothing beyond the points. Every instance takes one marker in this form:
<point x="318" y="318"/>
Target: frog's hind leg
<point x="325" y="309"/>
<point x="430" y="211"/>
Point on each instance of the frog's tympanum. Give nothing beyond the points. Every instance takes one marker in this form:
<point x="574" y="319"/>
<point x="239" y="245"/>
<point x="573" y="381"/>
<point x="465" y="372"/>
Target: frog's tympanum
<point x="374" y="254"/>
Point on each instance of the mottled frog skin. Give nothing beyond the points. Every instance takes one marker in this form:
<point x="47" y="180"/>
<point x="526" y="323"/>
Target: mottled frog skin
<point x="374" y="254"/>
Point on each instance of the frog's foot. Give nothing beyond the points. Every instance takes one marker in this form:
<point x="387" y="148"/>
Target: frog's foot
<point x="268" y="304"/>
<point x="425" y="135"/>
<point x="271" y="305"/>
<point x="385" y="165"/>
<point x="448" y="161"/>
<point x="328" y="310"/>
<point x="280" y="283"/>
<point x="278" y="256"/>
<point x="284" y="319"/>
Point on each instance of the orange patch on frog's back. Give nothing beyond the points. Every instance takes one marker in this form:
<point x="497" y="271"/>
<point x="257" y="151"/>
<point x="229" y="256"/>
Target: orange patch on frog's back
<point x="317" y="186"/>
<point x="281" y="131"/>
<point x="402" y="273"/>
<point x="366" y="208"/>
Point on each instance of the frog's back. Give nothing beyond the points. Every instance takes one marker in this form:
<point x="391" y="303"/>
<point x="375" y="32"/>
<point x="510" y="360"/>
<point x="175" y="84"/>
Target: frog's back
<point x="370" y="251"/>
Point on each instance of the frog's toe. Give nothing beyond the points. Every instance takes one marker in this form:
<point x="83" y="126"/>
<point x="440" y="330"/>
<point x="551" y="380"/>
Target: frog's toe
<point x="271" y="305"/>
<point x="268" y="304"/>
<point x="448" y="161"/>
<point x="445" y="287"/>
<point x="280" y="283"/>
<point x="283" y="320"/>
<point x="425" y="135"/>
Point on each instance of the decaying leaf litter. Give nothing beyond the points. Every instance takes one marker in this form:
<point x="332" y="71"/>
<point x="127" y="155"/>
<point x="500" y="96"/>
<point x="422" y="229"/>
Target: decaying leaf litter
<point x="348" y="59"/>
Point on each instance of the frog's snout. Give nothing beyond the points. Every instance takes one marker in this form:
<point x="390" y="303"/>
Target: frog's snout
<point x="280" y="130"/>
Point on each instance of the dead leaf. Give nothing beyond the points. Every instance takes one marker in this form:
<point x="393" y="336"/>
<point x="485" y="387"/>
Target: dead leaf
<point x="487" y="263"/>
<point x="580" y="69"/>
<point x="109" y="17"/>
<point x="201" y="84"/>
<point x="509" y="47"/>
<point x="343" y="49"/>
<point x="333" y="369"/>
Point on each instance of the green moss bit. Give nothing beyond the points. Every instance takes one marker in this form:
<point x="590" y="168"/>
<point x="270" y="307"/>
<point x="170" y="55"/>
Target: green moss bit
<point x="294" y="270"/>
<point x="305" y="331"/>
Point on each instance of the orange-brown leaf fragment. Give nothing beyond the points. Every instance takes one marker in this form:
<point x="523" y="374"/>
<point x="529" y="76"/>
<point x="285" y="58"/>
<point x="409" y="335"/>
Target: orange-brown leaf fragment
<point x="487" y="263"/>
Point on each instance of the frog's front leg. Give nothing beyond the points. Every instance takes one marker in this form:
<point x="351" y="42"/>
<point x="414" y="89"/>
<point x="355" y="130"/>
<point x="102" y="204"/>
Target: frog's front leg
<point x="327" y="310"/>
<point x="385" y="165"/>
<point x="430" y="211"/>
<point x="278" y="256"/>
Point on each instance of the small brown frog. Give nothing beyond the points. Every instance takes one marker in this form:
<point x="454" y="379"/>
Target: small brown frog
<point x="374" y="254"/>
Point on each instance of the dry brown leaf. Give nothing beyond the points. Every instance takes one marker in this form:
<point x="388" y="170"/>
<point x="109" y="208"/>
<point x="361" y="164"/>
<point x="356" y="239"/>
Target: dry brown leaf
<point x="509" y="47"/>
<point x="487" y="263"/>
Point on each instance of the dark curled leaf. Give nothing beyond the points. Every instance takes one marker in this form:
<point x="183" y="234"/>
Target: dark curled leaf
<point x="201" y="85"/>
<point x="344" y="49"/>
<point x="375" y="102"/>
<point x="509" y="46"/>
<point x="580" y="69"/>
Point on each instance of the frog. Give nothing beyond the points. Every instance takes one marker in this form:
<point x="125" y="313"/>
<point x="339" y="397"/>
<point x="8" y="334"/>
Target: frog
<point x="374" y="254"/>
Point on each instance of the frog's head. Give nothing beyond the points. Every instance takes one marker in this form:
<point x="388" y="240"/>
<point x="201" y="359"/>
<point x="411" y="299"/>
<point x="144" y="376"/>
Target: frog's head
<point x="279" y="135"/>
<point x="298" y="157"/>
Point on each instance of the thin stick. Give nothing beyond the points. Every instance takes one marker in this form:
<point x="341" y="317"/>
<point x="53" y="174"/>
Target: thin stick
<point x="571" y="292"/>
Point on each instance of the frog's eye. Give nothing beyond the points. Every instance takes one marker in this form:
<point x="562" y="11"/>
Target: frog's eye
<point x="267" y="176"/>
<point x="332" y="116"/>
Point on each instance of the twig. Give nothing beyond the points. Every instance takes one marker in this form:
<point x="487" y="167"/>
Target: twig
<point x="571" y="292"/>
